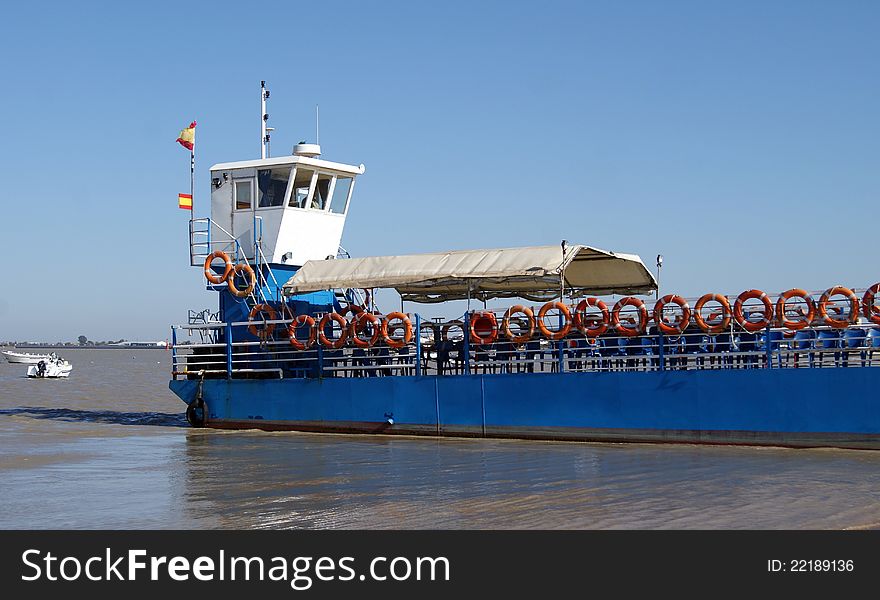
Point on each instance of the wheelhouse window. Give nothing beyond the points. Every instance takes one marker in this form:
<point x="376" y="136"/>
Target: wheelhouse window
<point x="322" y="192"/>
<point x="340" y="194"/>
<point x="244" y="194"/>
<point x="272" y="185"/>
<point x="302" y="183"/>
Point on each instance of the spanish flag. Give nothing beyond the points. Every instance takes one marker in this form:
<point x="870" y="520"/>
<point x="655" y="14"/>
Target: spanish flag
<point x="185" y="201"/>
<point x="187" y="137"/>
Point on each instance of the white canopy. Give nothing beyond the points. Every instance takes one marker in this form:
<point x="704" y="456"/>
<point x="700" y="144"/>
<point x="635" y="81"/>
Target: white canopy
<point x="532" y="273"/>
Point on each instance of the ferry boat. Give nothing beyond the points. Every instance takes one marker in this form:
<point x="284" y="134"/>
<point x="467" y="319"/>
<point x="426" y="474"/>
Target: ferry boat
<point x="577" y="344"/>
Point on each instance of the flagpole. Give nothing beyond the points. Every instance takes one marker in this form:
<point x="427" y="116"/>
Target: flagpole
<point x="192" y="174"/>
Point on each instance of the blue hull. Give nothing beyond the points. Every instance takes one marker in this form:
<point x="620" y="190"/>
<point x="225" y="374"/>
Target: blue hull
<point x="782" y="407"/>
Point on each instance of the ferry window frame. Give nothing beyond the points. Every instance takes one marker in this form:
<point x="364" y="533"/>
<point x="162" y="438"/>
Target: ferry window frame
<point x="347" y="197"/>
<point x="257" y="205"/>
<point x="331" y="189"/>
<point x="350" y="192"/>
<point x="289" y="190"/>
<point x="314" y="188"/>
<point x="292" y="185"/>
<point x="313" y="183"/>
<point x="235" y="182"/>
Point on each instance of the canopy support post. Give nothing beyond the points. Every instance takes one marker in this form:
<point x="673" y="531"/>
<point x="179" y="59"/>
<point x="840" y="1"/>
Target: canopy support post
<point x="418" y="345"/>
<point x="562" y="274"/>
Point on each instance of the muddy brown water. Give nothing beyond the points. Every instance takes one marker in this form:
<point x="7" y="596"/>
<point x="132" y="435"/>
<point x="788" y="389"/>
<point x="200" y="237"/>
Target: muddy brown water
<point x="109" y="448"/>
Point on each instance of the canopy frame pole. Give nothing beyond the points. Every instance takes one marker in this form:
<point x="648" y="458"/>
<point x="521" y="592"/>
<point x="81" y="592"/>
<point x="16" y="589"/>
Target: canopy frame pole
<point x="562" y="274"/>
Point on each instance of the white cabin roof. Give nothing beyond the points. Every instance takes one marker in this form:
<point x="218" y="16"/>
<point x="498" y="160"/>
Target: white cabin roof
<point x="274" y="161"/>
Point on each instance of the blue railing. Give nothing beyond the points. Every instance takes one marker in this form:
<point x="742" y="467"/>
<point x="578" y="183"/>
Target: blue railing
<point x="440" y="348"/>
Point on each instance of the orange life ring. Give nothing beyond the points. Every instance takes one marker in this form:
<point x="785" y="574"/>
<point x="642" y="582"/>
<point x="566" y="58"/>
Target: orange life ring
<point x="750" y="326"/>
<point x="680" y="326"/>
<point x="580" y="316"/>
<point x="264" y="331"/>
<point x="871" y="312"/>
<point x="505" y="324"/>
<point x="231" y="281"/>
<point x="484" y="322"/>
<point x="839" y="290"/>
<point x="298" y="322"/>
<point x="358" y="322"/>
<point x="343" y="324"/>
<point x="563" y="330"/>
<point x="354" y="309"/>
<point x="209" y="274"/>
<point x="725" y="313"/>
<point x="780" y="309"/>
<point x="643" y="316"/>
<point x="444" y="331"/>
<point x="407" y="330"/>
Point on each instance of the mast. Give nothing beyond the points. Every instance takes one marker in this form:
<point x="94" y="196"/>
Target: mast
<point x="264" y="117"/>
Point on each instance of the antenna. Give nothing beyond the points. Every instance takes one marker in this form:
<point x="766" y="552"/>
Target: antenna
<point x="317" y="126"/>
<point x="264" y="117"/>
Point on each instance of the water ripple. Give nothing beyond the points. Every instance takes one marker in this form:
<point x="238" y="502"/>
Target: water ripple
<point x="100" y="416"/>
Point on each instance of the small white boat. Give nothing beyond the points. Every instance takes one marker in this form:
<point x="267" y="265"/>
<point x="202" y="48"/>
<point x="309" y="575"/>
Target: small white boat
<point x="53" y="366"/>
<point x="23" y="358"/>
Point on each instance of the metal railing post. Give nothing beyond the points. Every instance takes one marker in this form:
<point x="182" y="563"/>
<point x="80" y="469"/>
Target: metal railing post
<point x="467" y="343"/>
<point x="320" y="360"/>
<point x="769" y="348"/>
<point x="418" y="345"/>
<point x="660" y="351"/>
<point x="228" y="350"/>
<point x="173" y="352"/>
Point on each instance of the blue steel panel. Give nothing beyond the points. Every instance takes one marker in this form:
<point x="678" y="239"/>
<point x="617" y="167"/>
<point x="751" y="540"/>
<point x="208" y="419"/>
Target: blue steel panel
<point x="460" y="399"/>
<point x="780" y="400"/>
<point x="827" y="400"/>
<point x="408" y="399"/>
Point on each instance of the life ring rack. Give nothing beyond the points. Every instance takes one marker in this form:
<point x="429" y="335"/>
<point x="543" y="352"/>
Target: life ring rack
<point x="725" y="313"/>
<point x="249" y="272"/>
<point x="871" y="312"/>
<point x="639" y="305"/>
<point x="839" y="290"/>
<point x="266" y="330"/>
<point x="580" y="316"/>
<point x="563" y="330"/>
<point x="343" y="336"/>
<point x="357" y="324"/>
<point x="407" y="330"/>
<point x="298" y="322"/>
<point x="678" y="327"/>
<point x="780" y="309"/>
<point x="479" y="323"/>
<point x="522" y="338"/>
<point x="738" y="315"/>
<point x="228" y="267"/>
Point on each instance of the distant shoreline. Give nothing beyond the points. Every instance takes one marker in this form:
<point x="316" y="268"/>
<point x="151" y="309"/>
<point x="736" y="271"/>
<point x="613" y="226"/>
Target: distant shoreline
<point x="87" y="346"/>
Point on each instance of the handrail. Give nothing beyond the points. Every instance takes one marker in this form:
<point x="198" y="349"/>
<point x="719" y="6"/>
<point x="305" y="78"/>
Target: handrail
<point x="623" y="348"/>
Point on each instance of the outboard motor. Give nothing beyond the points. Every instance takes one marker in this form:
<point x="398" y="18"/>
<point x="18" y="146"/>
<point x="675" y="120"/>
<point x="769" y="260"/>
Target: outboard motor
<point x="41" y="368"/>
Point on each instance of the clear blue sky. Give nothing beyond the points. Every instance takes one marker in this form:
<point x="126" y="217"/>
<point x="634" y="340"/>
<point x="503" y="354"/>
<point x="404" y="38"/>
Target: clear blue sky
<point x="740" y="140"/>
